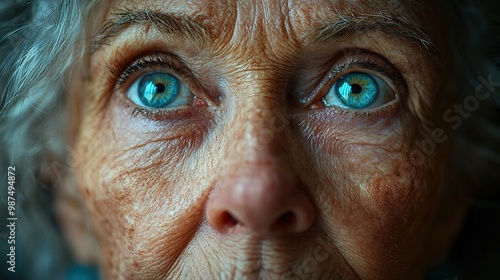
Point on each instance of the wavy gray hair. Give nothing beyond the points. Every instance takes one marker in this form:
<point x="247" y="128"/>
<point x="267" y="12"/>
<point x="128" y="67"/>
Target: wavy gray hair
<point x="41" y="40"/>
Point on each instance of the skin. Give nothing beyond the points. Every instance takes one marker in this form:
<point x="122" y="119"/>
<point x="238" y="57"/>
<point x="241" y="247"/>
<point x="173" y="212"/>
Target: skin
<point x="256" y="178"/>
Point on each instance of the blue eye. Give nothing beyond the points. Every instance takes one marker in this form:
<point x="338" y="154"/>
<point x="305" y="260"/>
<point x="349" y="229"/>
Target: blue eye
<point x="358" y="91"/>
<point x="159" y="90"/>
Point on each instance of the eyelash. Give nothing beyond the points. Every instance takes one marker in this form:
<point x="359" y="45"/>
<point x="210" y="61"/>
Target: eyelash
<point x="123" y="71"/>
<point x="369" y="63"/>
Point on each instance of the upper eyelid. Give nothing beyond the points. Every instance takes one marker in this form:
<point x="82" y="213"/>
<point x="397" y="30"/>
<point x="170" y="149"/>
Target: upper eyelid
<point x="373" y="64"/>
<point x="123" y="73"/>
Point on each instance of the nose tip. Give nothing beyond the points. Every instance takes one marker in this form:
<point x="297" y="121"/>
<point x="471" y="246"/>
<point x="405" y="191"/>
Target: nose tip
<point x="259" y="200"/>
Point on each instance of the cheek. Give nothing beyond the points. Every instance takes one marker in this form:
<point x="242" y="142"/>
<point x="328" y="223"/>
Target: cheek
<point x="380" y="202"/>
<point x="144" y="212"/>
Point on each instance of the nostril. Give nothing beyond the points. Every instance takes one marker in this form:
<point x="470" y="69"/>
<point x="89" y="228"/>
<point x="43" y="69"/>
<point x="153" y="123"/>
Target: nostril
<point x="227" y="220"/>
<point x="286" y="218"/>
<point x="259" y="199"/>
<point x="285" y="221"/>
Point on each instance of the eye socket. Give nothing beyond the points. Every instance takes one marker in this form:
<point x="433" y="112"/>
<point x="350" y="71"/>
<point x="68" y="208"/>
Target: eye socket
<point x="358" y="90"/>
<point x="159" y="90"/>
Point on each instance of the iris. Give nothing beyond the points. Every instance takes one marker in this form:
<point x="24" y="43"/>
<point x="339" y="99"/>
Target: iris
<point x="158" y="90"/>
<point x="355" y="90"/>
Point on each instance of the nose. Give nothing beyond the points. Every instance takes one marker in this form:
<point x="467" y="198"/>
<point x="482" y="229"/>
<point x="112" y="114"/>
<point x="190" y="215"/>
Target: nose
<point x="259" y="199"/>
<point x="260" y="196"/>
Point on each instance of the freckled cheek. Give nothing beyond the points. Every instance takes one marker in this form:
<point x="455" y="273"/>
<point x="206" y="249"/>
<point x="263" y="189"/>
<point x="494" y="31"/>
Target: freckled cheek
<point x="138" y="190"/>
<point x="379" y="205"/>
<point x="117" y="169"/>
<point x="376" y="187"/>
<point x="144" y="232"/>
<point x="388" y="183"/>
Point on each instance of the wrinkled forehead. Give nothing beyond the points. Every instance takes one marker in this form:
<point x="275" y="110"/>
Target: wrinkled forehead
<point x="296" y="16"/>
<point x="239" y="22"/>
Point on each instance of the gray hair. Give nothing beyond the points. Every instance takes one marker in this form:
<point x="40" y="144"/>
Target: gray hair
<point x="41" y="41"/>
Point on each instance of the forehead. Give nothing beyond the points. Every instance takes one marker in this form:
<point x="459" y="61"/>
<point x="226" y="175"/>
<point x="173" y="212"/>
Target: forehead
<point x="272" y="23"/>
<point x="295" y="17"/>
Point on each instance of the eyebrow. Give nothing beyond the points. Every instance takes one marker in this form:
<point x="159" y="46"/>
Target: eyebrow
<point x="166" y="23"/>
<point x="345" y="26"/>
<point x="396" y="27"/>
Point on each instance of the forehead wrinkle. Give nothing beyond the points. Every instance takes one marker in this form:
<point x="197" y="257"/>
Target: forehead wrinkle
<point x="297" y="22"/>
<point x="165" y="23"/>
<point x="348" y="26"/>
<point x="257" y="35"/>
<point x="342" y="19"/>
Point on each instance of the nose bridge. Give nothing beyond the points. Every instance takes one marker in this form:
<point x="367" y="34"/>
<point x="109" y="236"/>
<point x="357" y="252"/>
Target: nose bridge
<point x="257" y="191"/>
<point x="260" y="129"/>
<point x="259" y="149"/>
<point x="262" y="135"/>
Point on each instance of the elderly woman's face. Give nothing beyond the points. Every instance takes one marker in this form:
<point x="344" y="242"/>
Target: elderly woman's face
<point x="271" y="139"/>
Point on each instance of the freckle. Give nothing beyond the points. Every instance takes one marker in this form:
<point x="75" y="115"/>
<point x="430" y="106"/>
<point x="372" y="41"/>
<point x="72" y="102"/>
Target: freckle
<point x="387" y="199"/>
<point x="110" y="263"/>
<point x="131" y="232"/>
<point x="86" y="192"/>
<point x="377" y="183"/>
<point x="136" y="264"/>
<point x="347" y="223"/>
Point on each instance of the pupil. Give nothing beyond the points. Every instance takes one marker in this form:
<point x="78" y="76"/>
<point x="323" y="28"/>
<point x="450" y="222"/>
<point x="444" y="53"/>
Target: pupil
<point x="356" y="88"/>
<point x="160" y="88"/>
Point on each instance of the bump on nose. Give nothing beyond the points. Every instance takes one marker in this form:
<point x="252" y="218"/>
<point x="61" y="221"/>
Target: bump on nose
<point x="259" y="199"/>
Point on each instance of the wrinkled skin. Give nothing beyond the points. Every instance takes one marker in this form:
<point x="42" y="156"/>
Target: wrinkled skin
<point x="256" y="177"/>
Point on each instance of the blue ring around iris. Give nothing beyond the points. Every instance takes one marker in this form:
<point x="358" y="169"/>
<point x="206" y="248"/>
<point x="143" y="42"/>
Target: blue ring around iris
<point x="157" y="90"/>
<point x="357" y="90"/>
